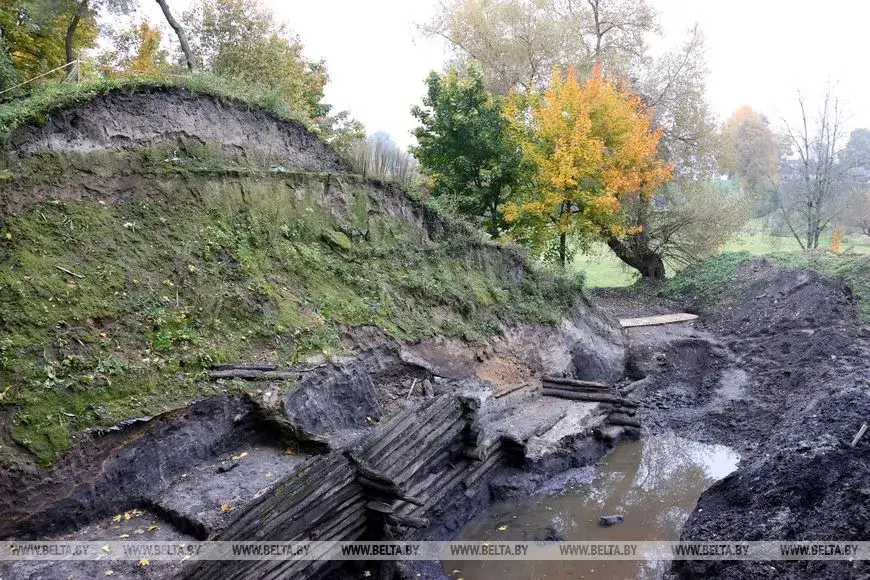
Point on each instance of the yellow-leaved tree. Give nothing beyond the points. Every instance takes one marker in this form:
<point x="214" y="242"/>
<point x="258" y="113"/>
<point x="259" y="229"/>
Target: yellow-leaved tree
<point x="589" y="143"/>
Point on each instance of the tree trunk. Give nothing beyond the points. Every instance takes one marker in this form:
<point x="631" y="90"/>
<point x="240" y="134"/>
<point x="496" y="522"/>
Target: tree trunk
<point x="71" y="30"/>
<point x="644" y="260"/>
<point x="563" y="249"/>
<point x="179" y="31"/>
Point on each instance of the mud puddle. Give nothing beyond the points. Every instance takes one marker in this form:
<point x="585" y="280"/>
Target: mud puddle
<point x="655" y="483"/>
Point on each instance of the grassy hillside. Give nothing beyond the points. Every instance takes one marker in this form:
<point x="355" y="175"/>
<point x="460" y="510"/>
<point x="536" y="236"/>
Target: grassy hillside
<point x="111" y="305"/>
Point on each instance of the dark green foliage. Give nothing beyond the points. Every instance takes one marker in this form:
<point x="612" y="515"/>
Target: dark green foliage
<point x="9" y="76"/>
<point x="465" y="147"/>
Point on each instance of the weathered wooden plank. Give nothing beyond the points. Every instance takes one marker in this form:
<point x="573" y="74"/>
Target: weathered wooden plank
<point x="508" y="390"/>
<point x="380" y="507"/>
<point x="573" y="382"/>
<point x="658" y="319"/>
<point x="243" y="367"/>
<point x="254" y="375"/>
<point x="492" y="462"/>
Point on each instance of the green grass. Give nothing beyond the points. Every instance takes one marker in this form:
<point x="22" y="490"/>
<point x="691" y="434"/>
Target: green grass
<point x="204" y="266"/>
<point x="602" y="269"/>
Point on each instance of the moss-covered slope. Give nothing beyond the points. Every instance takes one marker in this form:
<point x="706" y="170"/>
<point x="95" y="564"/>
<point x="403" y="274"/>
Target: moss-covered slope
<point x="124" y="273"/>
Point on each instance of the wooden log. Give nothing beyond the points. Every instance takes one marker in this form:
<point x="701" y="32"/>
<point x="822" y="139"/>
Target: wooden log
<point x="412" y="439"/>
<point x="388" y="491"/>
<point x="243" y="367"/>
<point x="589" y="397"/>
<point x="380" y="507"/>
<point x="443" y="486"/>
<point x="577" y="389"/>
<point x="623" y="420"/>
<point x="408" y="521"/>
<point x="262" y="509"/>
<point x="491" y="463"/>
<point x="402" y="472"/>
<point x="507" y="391"/>
<point x="385" y="439"/>
<point x="573" y="382"/>
<point x="254" y="375"/>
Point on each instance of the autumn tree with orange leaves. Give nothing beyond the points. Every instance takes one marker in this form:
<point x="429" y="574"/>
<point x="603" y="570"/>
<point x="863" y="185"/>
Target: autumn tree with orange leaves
<point x="592" y="144"/>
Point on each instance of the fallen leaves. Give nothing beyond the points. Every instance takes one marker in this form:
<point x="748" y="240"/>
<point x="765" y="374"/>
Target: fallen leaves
<point x="144" y="562"/>
<point x="225" y="507"/>
<point x="240" y="456"/>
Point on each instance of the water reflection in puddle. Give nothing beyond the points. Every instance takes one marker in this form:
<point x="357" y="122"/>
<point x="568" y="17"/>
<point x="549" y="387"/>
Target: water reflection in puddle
<point x="655" y="483"/>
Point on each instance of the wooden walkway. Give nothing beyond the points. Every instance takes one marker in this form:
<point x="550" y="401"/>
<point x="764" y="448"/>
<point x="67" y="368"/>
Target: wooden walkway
<point x="660" y="319"/>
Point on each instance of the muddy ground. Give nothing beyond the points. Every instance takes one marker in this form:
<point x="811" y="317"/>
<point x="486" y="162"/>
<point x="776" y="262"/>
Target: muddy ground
<point x="780" y="370"/>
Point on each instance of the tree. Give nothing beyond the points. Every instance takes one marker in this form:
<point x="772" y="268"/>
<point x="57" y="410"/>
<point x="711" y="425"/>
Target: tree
<point x="378" y="156"/>
<point x="688" y="220"/>
<point x="517" y="43"/>
<point x="342" y="131"/>
<point x="858" y="216"/>
<point x="87" y="9"/>
<point x="591" y="145"/>
<point x="242" y="39"/>
<point x="673" y="87"/>
<point x="749" y="154"/>
<point x="8" y="75"/>
<point x="816" y="192"/>
<point x="857" y="152"/>
<point x="189" y="59"/>
<point x="136" y="50"/>
<point x="464" y="146"/>
<point x="36" y="33"/>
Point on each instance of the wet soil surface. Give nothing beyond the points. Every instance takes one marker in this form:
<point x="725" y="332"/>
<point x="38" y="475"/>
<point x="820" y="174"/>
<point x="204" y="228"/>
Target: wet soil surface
<point x="779" y="370"/>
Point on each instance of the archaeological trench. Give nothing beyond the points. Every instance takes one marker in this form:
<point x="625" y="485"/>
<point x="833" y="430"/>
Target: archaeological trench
<point x="412" y="439"/>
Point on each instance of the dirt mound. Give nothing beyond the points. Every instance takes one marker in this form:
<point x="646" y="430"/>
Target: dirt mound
<point x="124" y="120"/>
<point x="797" y="338"/>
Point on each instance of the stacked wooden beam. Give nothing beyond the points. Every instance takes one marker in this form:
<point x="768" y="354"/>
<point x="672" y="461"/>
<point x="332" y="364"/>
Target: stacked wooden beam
<point x="320" y="501"/>
<point x="594" y="392"/>
<point x="250" y="372"/>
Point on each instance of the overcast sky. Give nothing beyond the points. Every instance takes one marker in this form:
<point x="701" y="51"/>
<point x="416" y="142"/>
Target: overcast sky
<point x="759" y="52"/>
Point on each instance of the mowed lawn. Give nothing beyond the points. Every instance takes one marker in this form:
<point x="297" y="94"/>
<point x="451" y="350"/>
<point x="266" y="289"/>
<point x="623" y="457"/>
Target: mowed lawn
<point x="603" y="269"/>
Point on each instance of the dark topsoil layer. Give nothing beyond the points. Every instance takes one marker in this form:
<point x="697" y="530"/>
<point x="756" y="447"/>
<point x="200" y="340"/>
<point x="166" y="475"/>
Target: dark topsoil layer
<point x="779" y="370"/>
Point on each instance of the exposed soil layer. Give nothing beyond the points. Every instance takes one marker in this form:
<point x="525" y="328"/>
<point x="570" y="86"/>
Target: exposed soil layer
<point x="778" y="370"/>
<point x="136" y="464"/>
<point x="125" y="120"/>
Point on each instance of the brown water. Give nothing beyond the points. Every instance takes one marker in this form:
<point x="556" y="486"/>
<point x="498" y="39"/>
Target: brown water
<point x="654" y="483"/>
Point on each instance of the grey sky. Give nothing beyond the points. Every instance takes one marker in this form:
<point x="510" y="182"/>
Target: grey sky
<point x="759" y="52"/>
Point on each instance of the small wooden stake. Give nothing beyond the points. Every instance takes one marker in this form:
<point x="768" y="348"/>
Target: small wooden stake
<point x="62" y="269"/>
<point x="860" y="434"/>
<point x="411" y="390"/>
